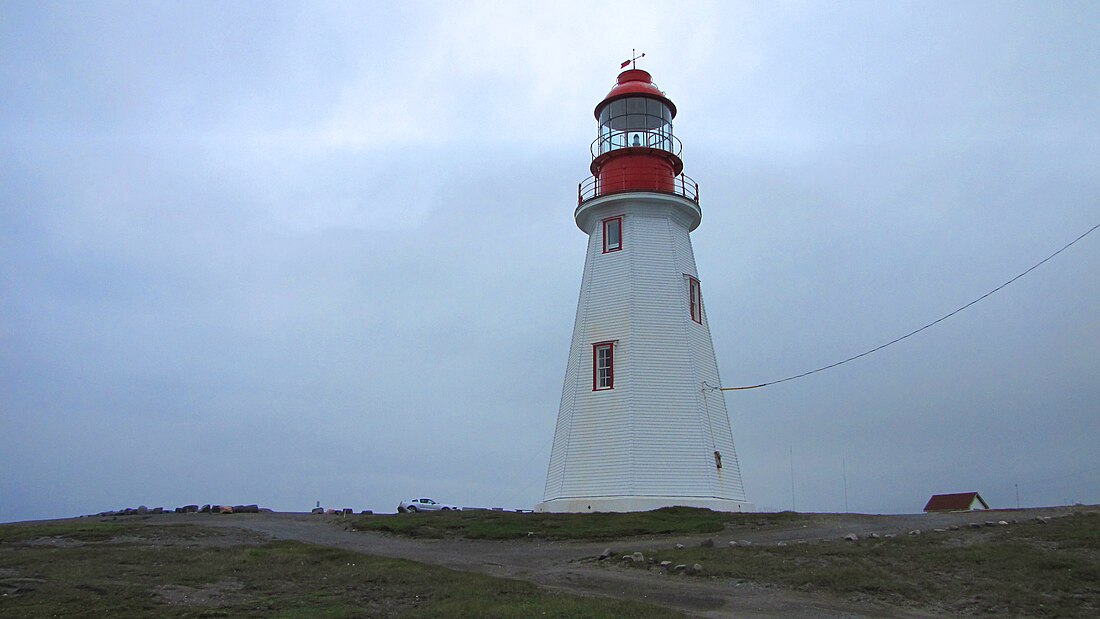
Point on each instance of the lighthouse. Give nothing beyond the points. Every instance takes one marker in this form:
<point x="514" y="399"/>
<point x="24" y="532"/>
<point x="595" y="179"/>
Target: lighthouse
<point x="641" y="423"/>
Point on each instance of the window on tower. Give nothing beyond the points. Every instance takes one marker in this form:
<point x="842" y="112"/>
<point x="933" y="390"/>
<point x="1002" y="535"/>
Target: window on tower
<point x="603" y="366"/>
<point x="612" y="234"/>
<point x="695" y="300"/>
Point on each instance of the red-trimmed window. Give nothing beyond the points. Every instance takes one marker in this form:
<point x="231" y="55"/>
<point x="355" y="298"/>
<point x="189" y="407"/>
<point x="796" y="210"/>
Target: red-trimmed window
<point x="695" y="300"/>
<point x="612" y="234"/>
<point x="603" y="366"/>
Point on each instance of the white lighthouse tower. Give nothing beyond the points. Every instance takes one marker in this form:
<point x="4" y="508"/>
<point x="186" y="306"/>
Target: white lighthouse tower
<point x="638" y="427"/>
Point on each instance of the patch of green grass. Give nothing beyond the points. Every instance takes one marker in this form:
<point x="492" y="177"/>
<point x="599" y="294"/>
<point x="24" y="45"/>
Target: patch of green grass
<point x="511" y="525"/>
<point x="85" y="531"/>
<point x="150" y="570"/>
<point x="1025" y="569"/>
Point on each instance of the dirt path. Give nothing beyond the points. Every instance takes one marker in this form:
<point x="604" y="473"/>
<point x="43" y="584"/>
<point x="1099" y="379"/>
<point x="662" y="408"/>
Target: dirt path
<point x="570" y="566"/>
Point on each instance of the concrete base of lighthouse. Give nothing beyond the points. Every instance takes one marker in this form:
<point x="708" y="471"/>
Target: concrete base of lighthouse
<point x="639" y="504"/>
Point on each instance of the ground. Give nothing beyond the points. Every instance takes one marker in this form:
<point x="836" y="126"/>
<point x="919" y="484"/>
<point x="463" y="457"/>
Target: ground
<point x="782" y="543"/>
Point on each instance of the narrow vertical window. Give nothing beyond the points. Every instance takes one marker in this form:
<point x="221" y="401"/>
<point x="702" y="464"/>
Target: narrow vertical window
<point x="695" y="300"/>
<point x="612" y="234"/>
<point x="603" y="366"/>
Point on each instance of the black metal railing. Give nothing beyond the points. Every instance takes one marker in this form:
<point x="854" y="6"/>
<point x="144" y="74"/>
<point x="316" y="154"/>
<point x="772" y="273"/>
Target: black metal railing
<point x="657" y="180"/>
<point x="636" y="138"/>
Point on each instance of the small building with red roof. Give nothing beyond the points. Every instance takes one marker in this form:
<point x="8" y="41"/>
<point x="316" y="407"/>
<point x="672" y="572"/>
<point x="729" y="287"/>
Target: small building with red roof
<point x="957" y="502"/>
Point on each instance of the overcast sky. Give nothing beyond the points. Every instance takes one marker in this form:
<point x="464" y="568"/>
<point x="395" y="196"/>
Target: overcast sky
<point x="287" y="253"/>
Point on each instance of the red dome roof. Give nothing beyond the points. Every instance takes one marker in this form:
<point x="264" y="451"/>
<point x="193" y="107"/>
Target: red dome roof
<point x="635" y="82"/>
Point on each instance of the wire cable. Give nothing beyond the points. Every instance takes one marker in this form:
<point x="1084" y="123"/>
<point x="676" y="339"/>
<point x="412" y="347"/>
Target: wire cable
<point x="915" y="331"/>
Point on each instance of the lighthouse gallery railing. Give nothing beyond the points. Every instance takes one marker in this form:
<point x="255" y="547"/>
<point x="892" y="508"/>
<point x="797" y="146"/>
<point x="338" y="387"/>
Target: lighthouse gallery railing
<point x="656" y="180"/>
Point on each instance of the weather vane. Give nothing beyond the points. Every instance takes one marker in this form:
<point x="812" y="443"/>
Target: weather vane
<point x="634" y="59"/>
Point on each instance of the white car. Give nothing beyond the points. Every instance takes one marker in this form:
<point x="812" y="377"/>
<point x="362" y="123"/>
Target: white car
<point x="424" y="505"/>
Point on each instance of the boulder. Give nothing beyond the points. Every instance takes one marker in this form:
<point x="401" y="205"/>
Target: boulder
<point x="679" y="568"/>
<point x="733" y="543"/>
<point x="781" y="543"/>
<point x="606" y="554"/>
<point x="317" y="510"/>
<point x="638" y="557"/>
<point x="679" y="546"/>
<point x="665" y="564"/>
<point x="915" y="532"/>
<point x="707" y="543"/>
<point x="1002" y="523"/>
<point x="852" y="537"/>
<point x="697" y="568"/>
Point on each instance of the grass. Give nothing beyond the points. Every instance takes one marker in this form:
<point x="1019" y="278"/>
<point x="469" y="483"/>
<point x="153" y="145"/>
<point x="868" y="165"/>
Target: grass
<point x="132" y="569"/>
<point x="510" y="525"/>
<point x="1027" y="569"/>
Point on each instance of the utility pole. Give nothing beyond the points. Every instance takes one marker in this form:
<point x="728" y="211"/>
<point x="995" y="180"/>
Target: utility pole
<point x="844" y="468"/>
<point x="792" y="478"/>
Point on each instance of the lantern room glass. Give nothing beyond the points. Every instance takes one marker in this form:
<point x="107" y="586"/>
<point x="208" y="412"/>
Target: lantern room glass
<point x="632" y="122"/>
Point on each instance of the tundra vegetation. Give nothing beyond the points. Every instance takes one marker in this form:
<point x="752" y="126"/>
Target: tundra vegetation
<point x="117" y="569"/>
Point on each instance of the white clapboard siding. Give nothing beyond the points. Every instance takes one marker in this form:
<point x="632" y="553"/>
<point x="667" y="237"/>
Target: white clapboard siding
<point x="650" y="441"/>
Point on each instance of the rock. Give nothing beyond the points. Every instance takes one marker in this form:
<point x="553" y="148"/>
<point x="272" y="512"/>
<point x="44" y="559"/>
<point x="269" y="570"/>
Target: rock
<point x="626" y="558"/>
<point x="915" y="532"/>
<point x="1040" y="520"/>
<point x="606" y="554"/>
<point x="889" y="535"/>
<point x="707" y="543"/>
<point x="697" y="568"/>
<point x="638" y="557"/>
<point x="852" y="537"/>
<point x="746" y="542"/>
<point x="954" y="527"/>
<point x="975" y="525"/>
<point x="939" y="530"/>
<point x="875" y="535"/>
<point x="665" y="564"/>
<point x="679" y="546"/>
<point x="317" y="510"/>
<point x="990" y="523"/>
<point x="1002" y="523"/>
<point x="679" y="568"/>
<point x="781" y="543"/>
<point x="733" y="543"/>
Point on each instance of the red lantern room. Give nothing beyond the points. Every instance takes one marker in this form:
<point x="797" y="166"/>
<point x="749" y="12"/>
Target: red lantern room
<point x="635" y="150"/>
